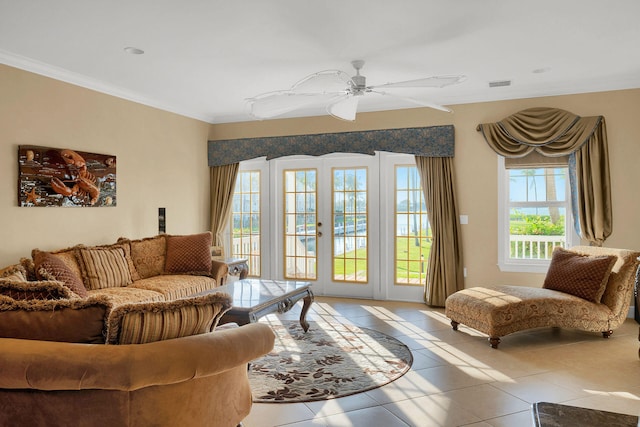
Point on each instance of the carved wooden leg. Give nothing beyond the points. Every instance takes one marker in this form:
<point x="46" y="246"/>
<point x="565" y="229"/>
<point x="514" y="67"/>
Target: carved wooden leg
<point x="494" y="341"/>
<point x="607" y="334"/>
<point x="454" y="325"/>
<point x="305" y="308"/>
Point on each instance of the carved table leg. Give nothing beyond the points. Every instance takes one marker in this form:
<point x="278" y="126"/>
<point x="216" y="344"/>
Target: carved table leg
<point x="305" y="308"/>
<point x="243" y="271"/>
<point x="494" y="341"/>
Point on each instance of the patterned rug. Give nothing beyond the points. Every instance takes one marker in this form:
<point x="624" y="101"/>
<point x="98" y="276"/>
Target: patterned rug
<point x="328" y="361"/>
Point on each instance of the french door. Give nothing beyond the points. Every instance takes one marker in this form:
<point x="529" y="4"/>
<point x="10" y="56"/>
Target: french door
<point x="328" y="230"/>
<point x="353" y="225"/>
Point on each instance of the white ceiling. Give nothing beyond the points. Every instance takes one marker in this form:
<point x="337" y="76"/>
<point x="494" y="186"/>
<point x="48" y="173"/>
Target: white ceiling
<point x="203" y="58"/>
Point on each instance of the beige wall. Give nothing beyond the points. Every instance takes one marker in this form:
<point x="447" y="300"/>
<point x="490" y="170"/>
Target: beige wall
<point x="476" y="164"/>
<point x="161" y="161"/>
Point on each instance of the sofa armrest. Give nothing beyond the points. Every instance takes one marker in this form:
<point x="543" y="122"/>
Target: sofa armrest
<point x="45" y="365"/>
<point x="219" y="271"/>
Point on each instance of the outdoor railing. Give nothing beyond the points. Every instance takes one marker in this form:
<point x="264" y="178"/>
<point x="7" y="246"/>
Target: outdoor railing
<point x="534" y="246"/>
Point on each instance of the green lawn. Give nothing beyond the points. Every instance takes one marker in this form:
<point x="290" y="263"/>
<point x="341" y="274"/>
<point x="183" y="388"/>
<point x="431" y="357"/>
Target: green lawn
<point x="409" y="265"/>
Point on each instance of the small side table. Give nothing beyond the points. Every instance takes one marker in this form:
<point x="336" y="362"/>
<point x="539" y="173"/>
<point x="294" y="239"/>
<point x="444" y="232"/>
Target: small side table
<point x="238" y="267"/>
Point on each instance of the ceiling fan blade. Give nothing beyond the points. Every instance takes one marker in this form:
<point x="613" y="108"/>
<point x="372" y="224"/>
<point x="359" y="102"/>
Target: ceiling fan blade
<point x="344" y="108"/>
<point x="416" y="101"/>
<point x="434" y="81"/>
<point x="275" y="104"/>
<point x="330" y="81"/>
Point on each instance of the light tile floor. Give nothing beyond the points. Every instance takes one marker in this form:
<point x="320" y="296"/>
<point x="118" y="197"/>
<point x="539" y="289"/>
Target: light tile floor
<point x="457" y="379"/>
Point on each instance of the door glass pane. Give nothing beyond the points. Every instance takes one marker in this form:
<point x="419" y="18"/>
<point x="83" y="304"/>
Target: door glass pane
<point x="245" y="214"/>
<point x="300" y="246"/>
<point x="413" y="233"/>
<point x="349" y="225"/>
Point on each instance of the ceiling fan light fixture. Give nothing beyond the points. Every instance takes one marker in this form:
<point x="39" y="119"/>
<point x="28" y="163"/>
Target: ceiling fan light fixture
<point x="344" y="109"/>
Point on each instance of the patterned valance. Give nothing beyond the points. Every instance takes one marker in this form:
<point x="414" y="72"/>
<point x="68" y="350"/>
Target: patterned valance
<point x="434" y="141"/>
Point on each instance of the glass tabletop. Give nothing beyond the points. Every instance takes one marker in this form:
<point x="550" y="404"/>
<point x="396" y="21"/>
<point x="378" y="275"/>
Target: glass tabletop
<point x="250" y="293"/>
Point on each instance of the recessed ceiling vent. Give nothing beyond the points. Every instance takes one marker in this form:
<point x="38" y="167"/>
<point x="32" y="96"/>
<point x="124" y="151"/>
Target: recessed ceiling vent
<point x="500" y="83"/>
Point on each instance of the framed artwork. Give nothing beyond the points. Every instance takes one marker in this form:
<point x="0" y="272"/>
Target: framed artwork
<point x="62" y="177"/>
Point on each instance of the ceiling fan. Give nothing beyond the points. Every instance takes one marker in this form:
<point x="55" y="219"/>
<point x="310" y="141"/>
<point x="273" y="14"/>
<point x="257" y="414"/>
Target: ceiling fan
<point x="340" y="93"/>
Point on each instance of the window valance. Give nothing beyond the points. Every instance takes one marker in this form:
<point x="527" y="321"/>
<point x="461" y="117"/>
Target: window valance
<point x="433" y="141"/>
<point x="553" y="133"/>
<point x="549" y="131"/>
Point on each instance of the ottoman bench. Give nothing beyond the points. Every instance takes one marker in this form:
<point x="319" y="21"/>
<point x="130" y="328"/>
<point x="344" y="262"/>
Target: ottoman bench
<point x="501" y="310"/>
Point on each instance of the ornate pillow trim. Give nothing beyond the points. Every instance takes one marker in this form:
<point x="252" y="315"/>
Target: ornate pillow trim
<point x="42" y="290"/>
<point x="7" y="304"/>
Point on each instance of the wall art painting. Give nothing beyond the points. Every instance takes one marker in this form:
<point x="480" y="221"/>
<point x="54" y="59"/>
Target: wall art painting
<point x="64" y="177"/>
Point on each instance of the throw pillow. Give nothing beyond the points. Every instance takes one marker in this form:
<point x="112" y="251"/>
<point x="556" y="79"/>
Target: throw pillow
<point x="148" y="255"/>
<point x="42" y="290"/>
<point x="148" y="322"/>
<point x="67" y="320"/>
<point x="579" y="275"/>
<point x="51" y="267"/>
<point x="14" y="272"/>
<point x="126" y="247"/>
<point x="189" y="254"/>
<point x="29" y="268"/>
<point x="104" y="267"/>
<point x="67" y="256"/>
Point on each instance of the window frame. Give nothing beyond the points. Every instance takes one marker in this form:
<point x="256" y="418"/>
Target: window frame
<point x="505" y="263"/>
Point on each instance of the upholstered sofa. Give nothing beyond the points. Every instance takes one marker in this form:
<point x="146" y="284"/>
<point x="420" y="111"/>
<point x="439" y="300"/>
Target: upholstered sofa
<point x="586" y="288"/>
<point x="81" y="294"/>
<point x="123" y="335"/>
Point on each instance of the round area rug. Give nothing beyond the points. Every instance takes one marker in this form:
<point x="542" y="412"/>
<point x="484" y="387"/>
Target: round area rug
<point x="328" y="361"/>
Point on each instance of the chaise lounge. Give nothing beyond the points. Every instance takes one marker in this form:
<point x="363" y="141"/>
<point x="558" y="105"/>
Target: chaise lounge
<point x="586" y="288"/>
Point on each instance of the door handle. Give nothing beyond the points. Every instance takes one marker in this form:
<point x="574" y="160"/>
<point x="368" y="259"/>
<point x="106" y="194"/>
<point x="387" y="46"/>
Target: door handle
<point x="319" y="224"/>
<point x="319" y="233"/>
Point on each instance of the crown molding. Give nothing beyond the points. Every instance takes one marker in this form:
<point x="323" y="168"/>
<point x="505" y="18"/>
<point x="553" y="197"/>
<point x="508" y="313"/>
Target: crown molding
<point x="61" y="74"/>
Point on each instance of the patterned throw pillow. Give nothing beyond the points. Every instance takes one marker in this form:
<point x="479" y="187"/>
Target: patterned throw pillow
<point x="126" y="247"/>
<point x="579" y="275"/>
<point x="14" y="272"/>
<point x="67" y="256"/>
<point x="148" y="322"/>
<point x="189" y="254"/>
<point x="148" y="255"/>
<point x="104" y="268"/>
<point x="27" y="291"/>
<point x="51" y="267"/>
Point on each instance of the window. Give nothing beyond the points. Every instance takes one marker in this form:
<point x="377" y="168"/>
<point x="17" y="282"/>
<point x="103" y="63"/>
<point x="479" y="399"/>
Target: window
<point x="413" y="233"/>
<point x="300" y="243"/>
<point x="535" y="215"/>
<point x="245" y="214"/>
<point x="350" y="234"/>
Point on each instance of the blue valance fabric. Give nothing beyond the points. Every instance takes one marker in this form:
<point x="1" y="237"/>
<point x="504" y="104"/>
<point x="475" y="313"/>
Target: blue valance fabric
<point x="433" y="141"/>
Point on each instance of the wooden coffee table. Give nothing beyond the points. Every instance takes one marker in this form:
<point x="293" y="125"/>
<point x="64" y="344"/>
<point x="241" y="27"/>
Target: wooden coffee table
<point x="254" y="298"/>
